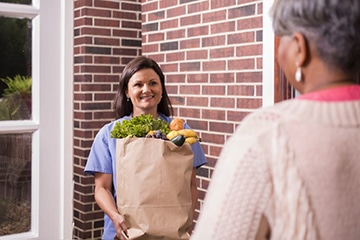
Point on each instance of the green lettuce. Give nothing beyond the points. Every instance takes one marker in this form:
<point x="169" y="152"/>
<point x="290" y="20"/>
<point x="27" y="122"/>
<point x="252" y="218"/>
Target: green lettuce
<point x="139" y="126"/>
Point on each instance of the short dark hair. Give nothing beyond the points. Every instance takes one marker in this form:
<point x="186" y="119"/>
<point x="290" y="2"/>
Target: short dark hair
<point x="122" y="106"/>
<point x="332" y="27"/>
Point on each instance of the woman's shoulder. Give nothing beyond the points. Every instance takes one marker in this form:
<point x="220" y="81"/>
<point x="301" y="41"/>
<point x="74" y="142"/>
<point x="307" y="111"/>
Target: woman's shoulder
<point x="275" y="113"/>
<point x="165" y="118"/>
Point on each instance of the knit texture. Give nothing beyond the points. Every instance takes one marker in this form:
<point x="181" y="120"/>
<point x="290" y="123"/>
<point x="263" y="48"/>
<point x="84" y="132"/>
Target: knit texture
<point x="298" y="164"/>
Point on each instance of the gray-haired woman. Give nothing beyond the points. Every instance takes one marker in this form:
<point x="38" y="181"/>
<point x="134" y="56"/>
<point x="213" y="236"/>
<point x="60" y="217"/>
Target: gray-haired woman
<point x="292" y="171"/>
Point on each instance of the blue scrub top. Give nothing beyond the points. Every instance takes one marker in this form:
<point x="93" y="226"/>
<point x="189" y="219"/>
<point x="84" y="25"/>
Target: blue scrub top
<point x="102" y="158"/>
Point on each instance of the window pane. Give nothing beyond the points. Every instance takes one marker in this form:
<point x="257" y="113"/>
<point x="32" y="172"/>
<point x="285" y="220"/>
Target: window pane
<point x="15" y="71"/>
<point x="15" y="183"/>
<point x="17" y="1"/>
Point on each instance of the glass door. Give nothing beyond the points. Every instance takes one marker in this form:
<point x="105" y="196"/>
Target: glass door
<point x="35" y="119"/>
<point x="15" y="105"/>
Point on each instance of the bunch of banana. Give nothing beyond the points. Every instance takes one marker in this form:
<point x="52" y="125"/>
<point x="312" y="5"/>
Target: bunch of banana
<point x="190" y="135"/>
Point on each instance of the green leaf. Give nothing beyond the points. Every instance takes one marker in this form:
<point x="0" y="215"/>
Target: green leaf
<point x="18" y="84"/>
<point x="139" y="126"/>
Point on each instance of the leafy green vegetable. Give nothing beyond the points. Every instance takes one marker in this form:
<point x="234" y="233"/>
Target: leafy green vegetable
<point x="139" y="126"/>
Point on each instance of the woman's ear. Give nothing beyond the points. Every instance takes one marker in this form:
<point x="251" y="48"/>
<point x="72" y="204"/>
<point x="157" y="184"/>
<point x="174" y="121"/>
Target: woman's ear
<point x="302" y="51"/>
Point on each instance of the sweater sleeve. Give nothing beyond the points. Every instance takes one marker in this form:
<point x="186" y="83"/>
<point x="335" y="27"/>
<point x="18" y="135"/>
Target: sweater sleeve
<point x="239" y="190"/>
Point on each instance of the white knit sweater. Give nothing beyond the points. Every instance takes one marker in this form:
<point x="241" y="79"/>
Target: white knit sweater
<point x="297" y="164"/>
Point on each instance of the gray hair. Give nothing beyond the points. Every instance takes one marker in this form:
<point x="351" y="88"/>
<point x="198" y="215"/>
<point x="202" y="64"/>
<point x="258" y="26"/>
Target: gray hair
<point x="332" y="27"/>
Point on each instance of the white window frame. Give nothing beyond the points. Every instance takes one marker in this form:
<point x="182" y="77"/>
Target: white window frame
<point x="52" y="120"/>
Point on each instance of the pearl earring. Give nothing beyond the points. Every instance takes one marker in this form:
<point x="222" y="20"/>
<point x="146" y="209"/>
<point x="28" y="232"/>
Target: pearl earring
<point x="298" y="74"/>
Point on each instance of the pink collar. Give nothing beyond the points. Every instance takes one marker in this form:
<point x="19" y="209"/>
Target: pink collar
<point x="346" y="93"/>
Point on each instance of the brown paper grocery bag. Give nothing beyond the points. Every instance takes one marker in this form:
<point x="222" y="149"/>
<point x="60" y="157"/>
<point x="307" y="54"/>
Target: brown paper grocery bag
<point x="153" y="179"/>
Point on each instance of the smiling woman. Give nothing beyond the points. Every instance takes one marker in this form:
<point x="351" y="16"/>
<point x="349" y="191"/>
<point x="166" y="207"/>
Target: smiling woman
<point x="141" y="91"/>
<point x="145" y="92"/>
<point x="123" y="106"/>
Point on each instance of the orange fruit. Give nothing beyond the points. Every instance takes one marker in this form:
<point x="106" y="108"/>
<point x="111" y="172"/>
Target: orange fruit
<point x="176" y="124"/>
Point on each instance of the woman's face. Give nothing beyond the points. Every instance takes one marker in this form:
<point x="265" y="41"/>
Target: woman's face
<point x="145" y="92"/>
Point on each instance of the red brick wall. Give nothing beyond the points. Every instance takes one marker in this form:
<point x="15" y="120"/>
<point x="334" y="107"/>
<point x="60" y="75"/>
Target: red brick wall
<point x="107" y="35"/>
<point x="210" y="52"/>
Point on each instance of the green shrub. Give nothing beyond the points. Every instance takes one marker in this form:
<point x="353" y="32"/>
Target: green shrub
<point x="16" y="101"/>
<point x="18" y="84"/>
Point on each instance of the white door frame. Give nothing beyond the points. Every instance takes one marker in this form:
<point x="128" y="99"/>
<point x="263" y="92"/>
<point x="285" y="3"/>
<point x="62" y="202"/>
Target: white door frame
<point x="52" y="120"/>
<point x="268" y="55"/>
